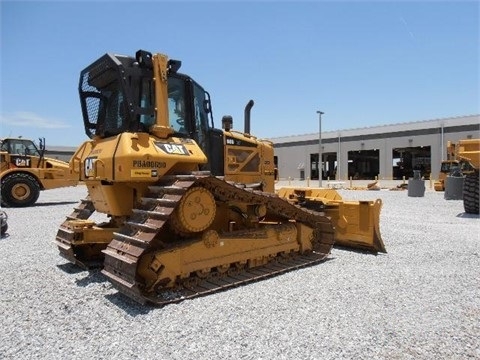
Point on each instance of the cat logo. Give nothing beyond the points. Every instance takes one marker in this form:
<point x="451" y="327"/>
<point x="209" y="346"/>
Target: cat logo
<point x="174" y="149"/>
<point x="21" y="162"/>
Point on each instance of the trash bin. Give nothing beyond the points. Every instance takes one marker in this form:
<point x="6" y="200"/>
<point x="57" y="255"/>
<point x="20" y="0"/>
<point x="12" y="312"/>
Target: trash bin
<point x="454" y="188"/>
<point x="416" y="186"/>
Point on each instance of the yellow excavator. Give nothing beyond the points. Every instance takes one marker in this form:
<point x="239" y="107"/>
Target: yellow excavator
<point x="192" y="209"/>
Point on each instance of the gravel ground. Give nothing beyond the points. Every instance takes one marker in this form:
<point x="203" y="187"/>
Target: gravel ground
<point x="419" y="301"/>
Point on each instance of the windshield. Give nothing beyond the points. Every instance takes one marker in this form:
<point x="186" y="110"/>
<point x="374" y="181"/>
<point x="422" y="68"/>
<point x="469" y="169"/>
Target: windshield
<point x="188" y="108"/>
<point x="20" y="147"/>
<point x="447" y="166"/>
<point x="176" y="105"/>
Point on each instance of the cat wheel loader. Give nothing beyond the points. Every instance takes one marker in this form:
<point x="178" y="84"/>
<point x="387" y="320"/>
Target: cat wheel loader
<point x="191" y="208"/>
<point x="25" y="171"/>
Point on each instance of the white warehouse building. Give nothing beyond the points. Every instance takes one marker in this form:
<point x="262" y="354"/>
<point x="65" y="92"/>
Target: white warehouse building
<point x="383" y="152"/>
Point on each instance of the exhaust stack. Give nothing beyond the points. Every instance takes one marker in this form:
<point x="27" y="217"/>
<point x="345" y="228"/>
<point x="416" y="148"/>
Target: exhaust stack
<point x="248" y="107"/>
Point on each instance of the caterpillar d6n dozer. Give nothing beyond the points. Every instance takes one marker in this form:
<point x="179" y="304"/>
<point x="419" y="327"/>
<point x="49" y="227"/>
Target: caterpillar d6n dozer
<point x="191" y="209"/>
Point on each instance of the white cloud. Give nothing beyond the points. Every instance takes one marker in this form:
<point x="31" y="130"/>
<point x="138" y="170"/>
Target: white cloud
<point x="29" y="119"/>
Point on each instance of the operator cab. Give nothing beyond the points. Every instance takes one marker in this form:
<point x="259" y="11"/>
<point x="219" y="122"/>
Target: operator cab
<point x="117" y="94"/>
<point x="21" y="153"/>
<point x="19" y="147"/>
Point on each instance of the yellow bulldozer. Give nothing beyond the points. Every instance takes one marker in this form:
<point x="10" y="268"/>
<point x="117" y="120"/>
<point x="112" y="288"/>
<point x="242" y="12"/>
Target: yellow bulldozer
<point x="192" y="209"/>
<point x="25" y="171"/>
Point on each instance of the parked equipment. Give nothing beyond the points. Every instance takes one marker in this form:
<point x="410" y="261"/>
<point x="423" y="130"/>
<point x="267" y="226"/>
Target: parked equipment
<point x="25" y="171"/>
<point x="452" y="165"/>
<point x="192" y="208"/>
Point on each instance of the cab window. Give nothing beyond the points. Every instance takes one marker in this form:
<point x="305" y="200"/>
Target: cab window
<point x="176" y="105"/>
<point x="200" y="115"/>
<point x="22" y="147"/>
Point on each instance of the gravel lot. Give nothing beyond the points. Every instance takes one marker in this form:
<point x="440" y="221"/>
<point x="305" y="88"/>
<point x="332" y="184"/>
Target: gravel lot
<point x="419" y="301"/>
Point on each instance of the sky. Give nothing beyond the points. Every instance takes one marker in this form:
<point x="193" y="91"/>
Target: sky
<point x="361" y="63"/>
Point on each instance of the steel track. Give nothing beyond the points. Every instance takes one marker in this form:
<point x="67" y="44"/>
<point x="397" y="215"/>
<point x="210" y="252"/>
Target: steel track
<point x="140" y="236"/>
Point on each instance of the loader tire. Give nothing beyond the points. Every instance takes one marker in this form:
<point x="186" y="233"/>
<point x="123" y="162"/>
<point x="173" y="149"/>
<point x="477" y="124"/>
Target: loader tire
<point x="19" y="190"/>
<point x="470" y="193"/>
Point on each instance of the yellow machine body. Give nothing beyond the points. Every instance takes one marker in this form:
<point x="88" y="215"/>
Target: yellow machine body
<point x="357" y="223"/>
<point x="192" y="208"/>
<point x="467" y="150"/>
<point x="117" y="171"/>
<point x="25" y="171"/>
<point x="462" y="156"/>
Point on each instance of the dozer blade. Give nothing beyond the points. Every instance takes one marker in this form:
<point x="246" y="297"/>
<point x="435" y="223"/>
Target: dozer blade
<point x="357" y="223"/>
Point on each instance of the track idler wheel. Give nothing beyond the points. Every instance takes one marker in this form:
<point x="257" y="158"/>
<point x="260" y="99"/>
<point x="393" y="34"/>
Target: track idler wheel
<point x="195" y="211"/>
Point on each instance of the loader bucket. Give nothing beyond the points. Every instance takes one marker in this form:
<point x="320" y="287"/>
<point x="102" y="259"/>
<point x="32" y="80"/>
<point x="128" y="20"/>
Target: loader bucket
<point x="357" y="223"/>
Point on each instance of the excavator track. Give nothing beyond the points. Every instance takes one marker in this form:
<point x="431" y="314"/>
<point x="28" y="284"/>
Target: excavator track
<point x="141" y="236"/>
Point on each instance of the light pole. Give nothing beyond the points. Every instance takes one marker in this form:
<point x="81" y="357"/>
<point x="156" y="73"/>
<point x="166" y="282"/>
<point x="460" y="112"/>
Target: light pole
<point x="320" y="167"/>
